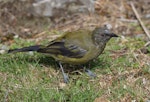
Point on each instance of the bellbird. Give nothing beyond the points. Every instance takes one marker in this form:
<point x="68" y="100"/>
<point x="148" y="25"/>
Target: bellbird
<point x="76" y="47"/>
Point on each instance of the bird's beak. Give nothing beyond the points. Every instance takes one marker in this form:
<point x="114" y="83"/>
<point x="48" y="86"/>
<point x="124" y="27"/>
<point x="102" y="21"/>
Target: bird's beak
<point x="113" y="35"/>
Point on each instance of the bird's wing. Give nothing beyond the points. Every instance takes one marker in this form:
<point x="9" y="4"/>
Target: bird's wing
<point x="64" y="49"/>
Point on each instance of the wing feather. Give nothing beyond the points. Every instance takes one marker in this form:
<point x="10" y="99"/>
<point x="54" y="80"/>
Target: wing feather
<point x="60" y="48"/>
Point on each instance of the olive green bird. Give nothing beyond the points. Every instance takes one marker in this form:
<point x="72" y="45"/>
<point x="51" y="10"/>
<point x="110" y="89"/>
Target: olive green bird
<point x="75" y="48"/>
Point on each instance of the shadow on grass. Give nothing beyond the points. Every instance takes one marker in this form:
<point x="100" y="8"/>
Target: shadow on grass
<point x="97" y="63"/>
<point x="49" y="61"/>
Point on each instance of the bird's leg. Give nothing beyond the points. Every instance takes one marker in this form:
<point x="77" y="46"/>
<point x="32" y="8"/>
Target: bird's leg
<point x="89" y="72"/>
<point x="66" y="78"/>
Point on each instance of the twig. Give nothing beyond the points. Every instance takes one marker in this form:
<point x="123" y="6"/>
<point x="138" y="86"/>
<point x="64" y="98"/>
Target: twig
<point x="128" y="20"/>
<point x="139" y="19"/>
<point x="147" y="44"/>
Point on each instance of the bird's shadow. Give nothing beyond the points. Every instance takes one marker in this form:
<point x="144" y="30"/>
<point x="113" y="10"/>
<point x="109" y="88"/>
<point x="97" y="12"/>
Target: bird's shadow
<point x="68" y="68"/>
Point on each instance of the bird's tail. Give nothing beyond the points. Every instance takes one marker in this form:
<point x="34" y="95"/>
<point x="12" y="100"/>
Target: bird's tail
<point x="25" y="49"/>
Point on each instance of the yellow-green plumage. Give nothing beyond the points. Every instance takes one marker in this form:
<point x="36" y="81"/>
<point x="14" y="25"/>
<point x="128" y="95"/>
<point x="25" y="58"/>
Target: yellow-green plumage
<point x="82" y="39"/>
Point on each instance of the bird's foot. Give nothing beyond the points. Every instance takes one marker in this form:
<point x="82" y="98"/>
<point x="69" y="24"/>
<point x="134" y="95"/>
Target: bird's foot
<point x="90" y="73"/>
<point x="66" y="78"/>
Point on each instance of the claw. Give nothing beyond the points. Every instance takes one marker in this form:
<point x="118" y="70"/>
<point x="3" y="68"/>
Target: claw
<point x="90" y="73"/>
<point x="66" y="78"/>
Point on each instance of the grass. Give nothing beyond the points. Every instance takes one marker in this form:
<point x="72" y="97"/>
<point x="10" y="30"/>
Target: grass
<point x="122" y="75"/>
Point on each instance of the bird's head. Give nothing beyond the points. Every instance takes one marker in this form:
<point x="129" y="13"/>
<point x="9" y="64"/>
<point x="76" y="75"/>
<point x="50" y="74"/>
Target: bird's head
<point x="103" y="34"/>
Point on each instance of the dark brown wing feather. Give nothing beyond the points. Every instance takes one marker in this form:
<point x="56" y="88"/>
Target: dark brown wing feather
<point x="60" y="48"/>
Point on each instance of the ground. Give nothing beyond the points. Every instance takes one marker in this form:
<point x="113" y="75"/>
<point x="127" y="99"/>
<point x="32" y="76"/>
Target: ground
<point x="123" y="70"/>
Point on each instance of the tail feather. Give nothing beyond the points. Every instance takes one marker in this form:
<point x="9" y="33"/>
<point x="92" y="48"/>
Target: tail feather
<point x="25" y="49"/>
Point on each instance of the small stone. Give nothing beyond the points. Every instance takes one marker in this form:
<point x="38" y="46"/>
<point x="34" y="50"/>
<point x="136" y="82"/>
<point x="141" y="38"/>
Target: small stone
<point x="2" y="51"/>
